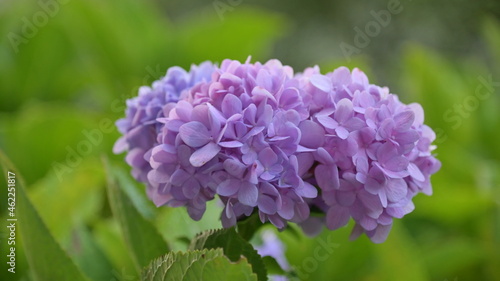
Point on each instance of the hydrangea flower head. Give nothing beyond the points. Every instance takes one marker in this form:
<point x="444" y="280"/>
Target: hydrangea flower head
<point x="140" y="128"/>
<point x="375" y="153"/>
<point x="236" y="136"/>
<point x="266" y="140"/>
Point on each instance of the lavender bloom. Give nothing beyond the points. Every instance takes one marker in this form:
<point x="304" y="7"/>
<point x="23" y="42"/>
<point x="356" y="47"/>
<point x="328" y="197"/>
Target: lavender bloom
<point x="374" y="154"/>
<point x="236" y="136"/>
<point x="265" y="140"/>
<point x="140" y="128"/>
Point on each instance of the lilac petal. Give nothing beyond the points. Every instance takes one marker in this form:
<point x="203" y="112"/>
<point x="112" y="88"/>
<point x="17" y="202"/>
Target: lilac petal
<point x="201" y="156"/>
<point x="234" y="167"/>
<point x="183" y="154"/>
<point x="404" y="120"/>
<point x="344" y="111"/>
<point x="342" y="132"/>
<point x="228" y="187"/>
<point x="321" y="82"/>
<point x="341" y="76"/>
<point x="286" y="211"/>
<point x="231" y="105"/>
<point x="371" y="202"/>
<point x="160" y="155"/>
<point x="368" y="223"/>
<point x="397" y="164"/>
<point x="195" y="214"/>
<point x="266" y="204"/>
<point x="415" y="172"/>
<point x="327" y="121"/>
<point x="327" y="177"/>
<point x="396" y="189"/>
<point x="269" y="189"/>
<point x="290" y="98"/>
<point x="158" y="177"/>
<point x="120" y="145"/>
<point x="354" y="124"/>
<point x="228" y="218"/>
<point x="174" y="125"/>
<point x="345" y="198"/>
<point x="324" y="157"/>
<point x="337" y="217"/>
<point x="276" y="221"/>
<point x="230" y="144"/>
<point x="249" y="113"/>
<point x="194" y="134"/>
<point x="302" y="212"/>
<point x="407" y="137"/>
<point x="386" y="151"/>
<point x="248" y="194"/>
<point x="312" y="134"/>
<point x="215" y="119"/>
<point x="419" y="113"/>
<point x="267" y="157"/>
<point x="179" y="177"/>
<point x="372" y="185"/>
<point x="135" y="157"/>
<point x="381" y="233"/>
<point x="191" y="188"/>
<point x="160" y="199"/>
<point x="307" y="191"/>
<point x="385" y="130"/>
<point x="183" y="110"/>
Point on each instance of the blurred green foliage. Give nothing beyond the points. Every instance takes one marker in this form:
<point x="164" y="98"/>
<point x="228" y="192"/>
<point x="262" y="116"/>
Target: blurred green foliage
<point x="77" y="70"/>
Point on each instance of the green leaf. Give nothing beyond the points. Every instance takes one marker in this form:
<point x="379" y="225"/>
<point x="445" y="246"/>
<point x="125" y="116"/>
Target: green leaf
<point x="248" y="226"/>
<point x="198" y="265"/>
<point x="233" y="245"/>
<point x="89" y="256"/>
<point x="46" y="258"/>
<point x="142" y="238"/>
<point x="272" y="266"/>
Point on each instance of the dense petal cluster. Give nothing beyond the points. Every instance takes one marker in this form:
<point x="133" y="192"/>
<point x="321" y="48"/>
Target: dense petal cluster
<point x="140" y="128"/>
<point x="236" y="136"/>
<point x="371" y="153"/>
<point x="265" y="140"/>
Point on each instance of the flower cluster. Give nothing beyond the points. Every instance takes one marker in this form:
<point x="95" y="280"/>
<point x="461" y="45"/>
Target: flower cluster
<point x="268" y="141"/>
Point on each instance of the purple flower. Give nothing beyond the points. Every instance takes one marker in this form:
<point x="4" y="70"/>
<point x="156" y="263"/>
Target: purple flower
<point x="266" y="141"/>
<point x="242" y="132"/>
<point x="140" y="128"/>
<point x="374" y="154"/>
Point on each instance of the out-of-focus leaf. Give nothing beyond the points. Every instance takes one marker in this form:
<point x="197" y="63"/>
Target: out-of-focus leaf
<point x="77" y="199"/>
<point x="46" y="258"/>
<point x="198" y="265"/>
<point x="248" y="226"/>
<point x="140" y="201"/>
<point x="272" y="266"/>
<point x="238" y="35"/>
<point x="395" y="254"/>
<point x="89" y="256"/>
<point x="234" y="247"/>
<point x="51" y="134"/>
<point x="141" y="236"/>
<point x="108" y="237"/>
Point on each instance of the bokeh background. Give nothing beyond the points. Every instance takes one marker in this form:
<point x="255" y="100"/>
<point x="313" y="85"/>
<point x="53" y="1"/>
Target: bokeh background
<point x="67" y="67"/>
